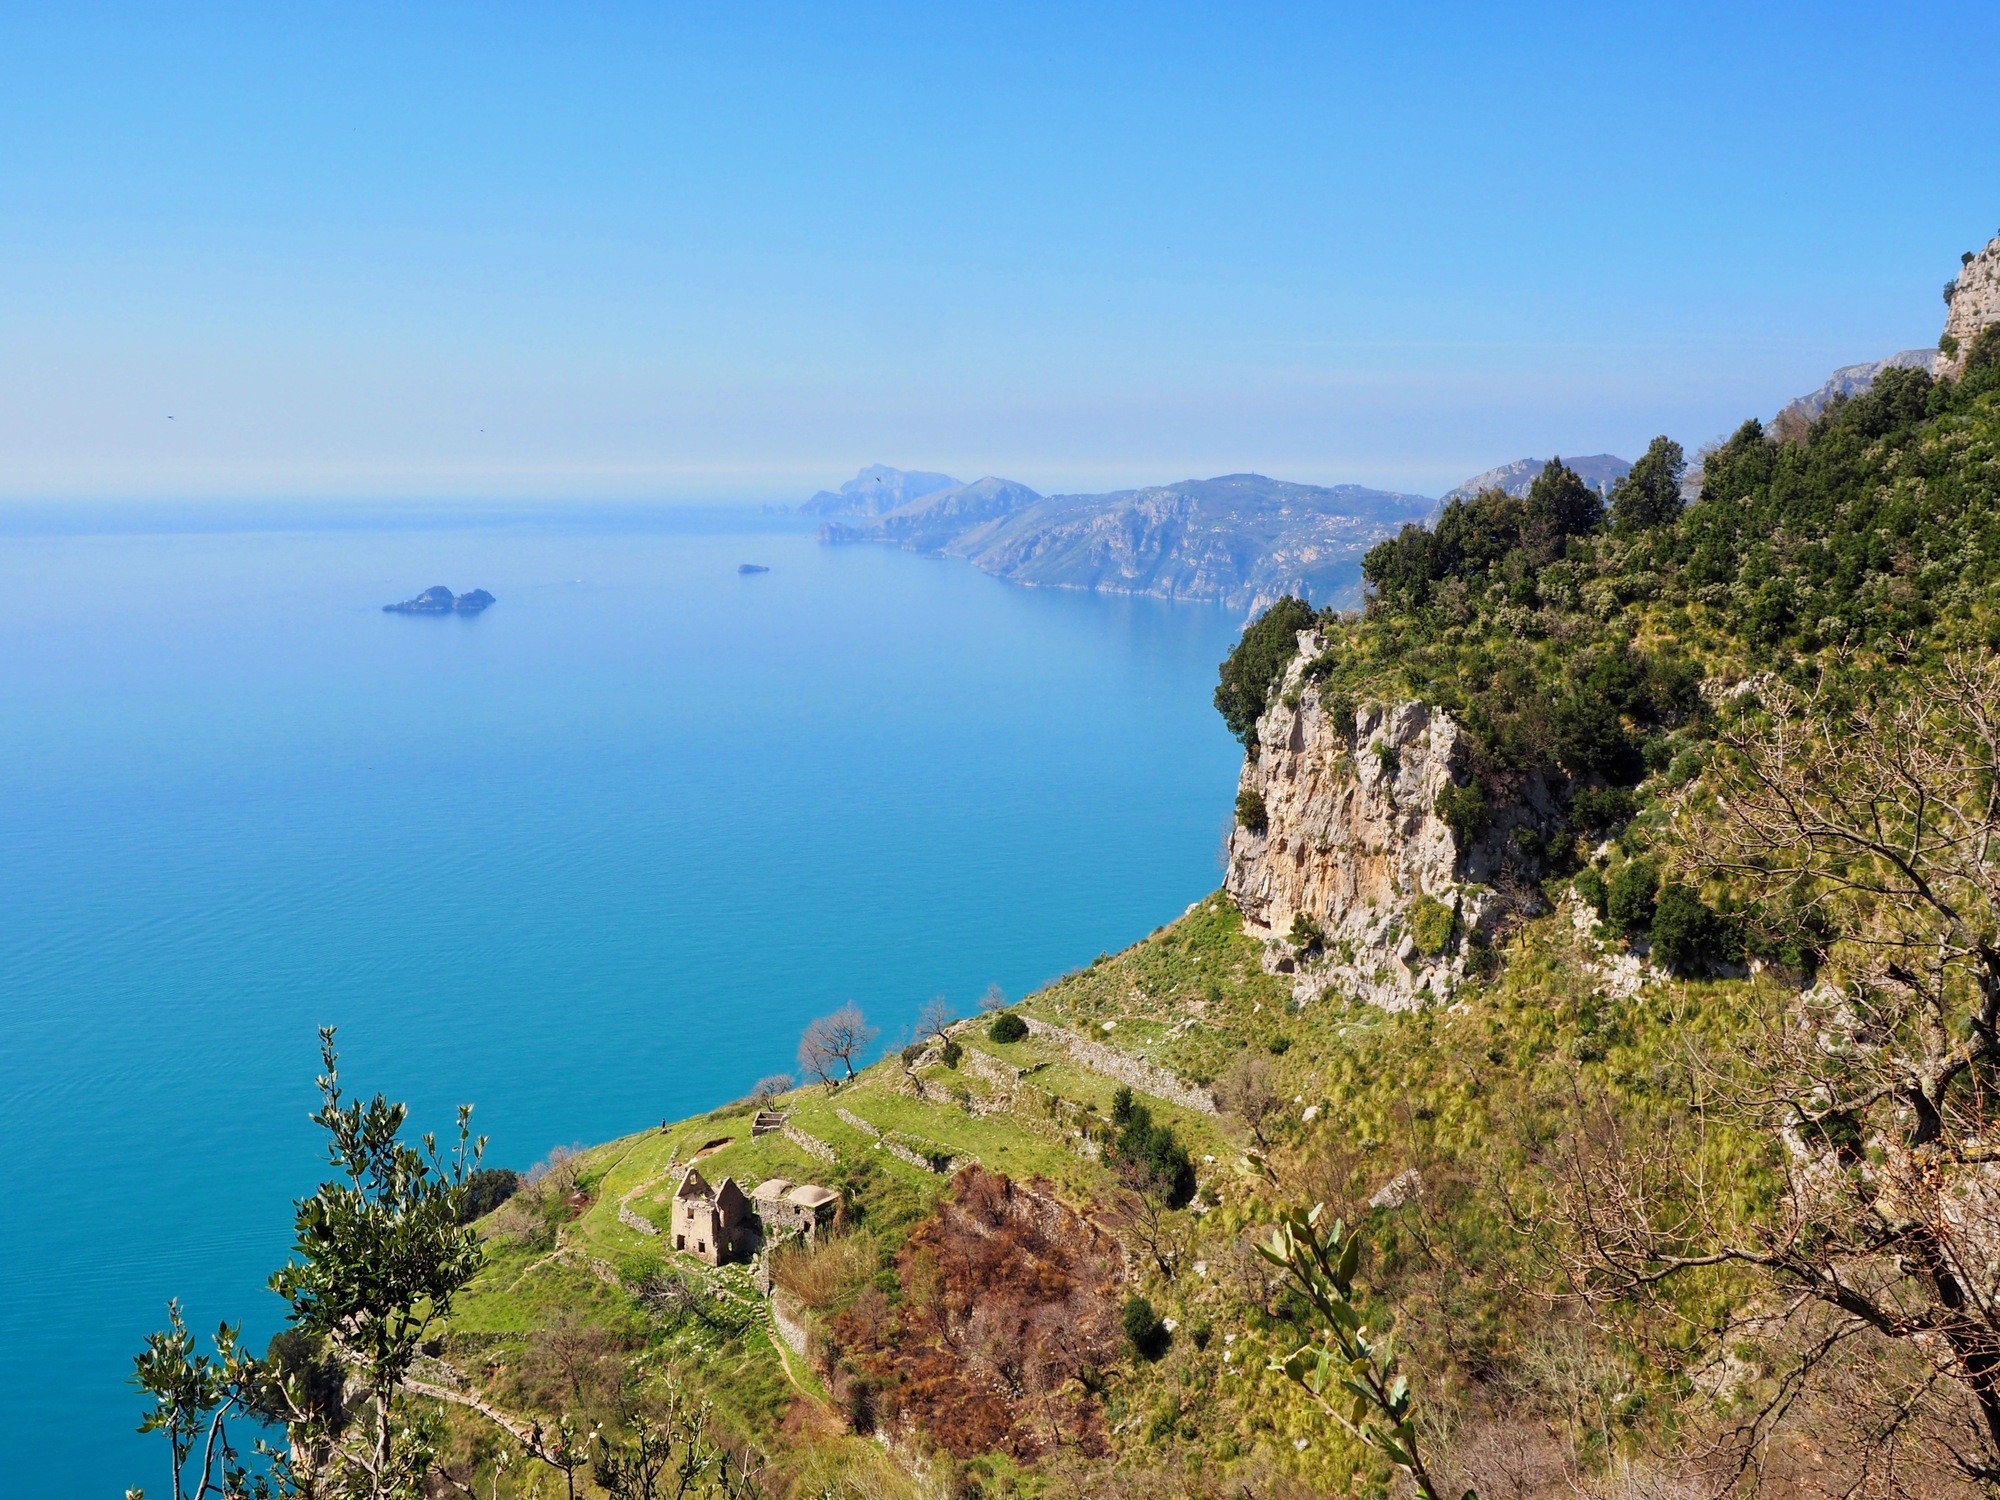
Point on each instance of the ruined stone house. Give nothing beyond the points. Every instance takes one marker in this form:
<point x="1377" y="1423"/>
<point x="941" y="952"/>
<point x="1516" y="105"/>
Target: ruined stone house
<point x="804" y="1208"/>
<point x="711" y="1223"/>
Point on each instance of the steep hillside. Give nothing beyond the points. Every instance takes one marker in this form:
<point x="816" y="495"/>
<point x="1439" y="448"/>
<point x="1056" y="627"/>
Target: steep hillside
<point x="1502" y="975"/>
<point x="1609" y="947"/>
<point x="1241" y="540"/>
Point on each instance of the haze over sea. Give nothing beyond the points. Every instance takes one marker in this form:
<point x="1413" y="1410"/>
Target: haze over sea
<point x="588" y="860"/>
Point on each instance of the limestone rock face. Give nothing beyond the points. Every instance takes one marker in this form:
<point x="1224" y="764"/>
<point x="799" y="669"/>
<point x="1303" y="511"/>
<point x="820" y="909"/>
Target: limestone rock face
<point x="1975" y="304"/>
<point x="1352" y="839"/>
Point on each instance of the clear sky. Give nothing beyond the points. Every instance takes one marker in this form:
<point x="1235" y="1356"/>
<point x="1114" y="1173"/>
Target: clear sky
<point x="734" y="252"/>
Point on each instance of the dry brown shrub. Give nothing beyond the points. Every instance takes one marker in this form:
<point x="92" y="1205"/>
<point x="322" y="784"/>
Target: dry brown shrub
<point x="1010" y="1307"/>
<point x="571" y="1364"/>
<point x="826" y="1273"/>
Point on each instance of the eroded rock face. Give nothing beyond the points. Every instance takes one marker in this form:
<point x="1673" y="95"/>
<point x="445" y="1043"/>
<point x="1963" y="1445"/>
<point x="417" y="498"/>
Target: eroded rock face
<point x="1353" y="840"/>
<point x="1975" y="304"/>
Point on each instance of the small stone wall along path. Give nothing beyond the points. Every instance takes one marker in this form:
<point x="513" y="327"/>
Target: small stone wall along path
<point x="1134" y="1072"/>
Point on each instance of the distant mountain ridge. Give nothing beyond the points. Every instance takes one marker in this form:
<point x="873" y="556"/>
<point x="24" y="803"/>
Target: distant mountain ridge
<point x="1849" y="381"/>
<point x="1240" y="540"/>
<point x="876" y="489"/>
<point x="1600" y="471"/>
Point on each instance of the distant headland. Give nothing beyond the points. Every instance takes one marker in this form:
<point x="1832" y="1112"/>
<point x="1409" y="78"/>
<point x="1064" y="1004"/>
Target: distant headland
<point x="439" y="600"/>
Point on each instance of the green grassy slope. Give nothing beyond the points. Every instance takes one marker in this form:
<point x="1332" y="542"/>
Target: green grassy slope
<point x="1567" y="643"/>
<point x="1464" y="1098"/>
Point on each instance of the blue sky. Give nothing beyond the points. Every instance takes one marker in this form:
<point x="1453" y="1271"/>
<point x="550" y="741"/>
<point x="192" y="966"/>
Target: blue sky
<point x="667" y="252"/>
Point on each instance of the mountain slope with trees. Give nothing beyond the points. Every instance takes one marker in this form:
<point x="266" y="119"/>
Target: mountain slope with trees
<point x="1684" y="1184"/>
<point x="1240" y="539"/>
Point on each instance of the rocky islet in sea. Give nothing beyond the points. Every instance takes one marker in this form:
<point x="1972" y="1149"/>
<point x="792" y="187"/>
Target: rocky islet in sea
<point x="439" y="600"/>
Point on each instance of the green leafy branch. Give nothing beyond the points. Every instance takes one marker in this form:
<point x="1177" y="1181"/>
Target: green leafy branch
<point x="1350" y="1371"/>
<point x="194" y="1396"/>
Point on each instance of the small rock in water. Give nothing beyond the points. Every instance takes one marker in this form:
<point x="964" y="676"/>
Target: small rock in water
<point x="751" y="568"/>
<point x="438" y="600"/>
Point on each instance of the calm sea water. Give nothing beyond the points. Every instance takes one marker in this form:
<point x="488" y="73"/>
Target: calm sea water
<point x="588" y="860"/>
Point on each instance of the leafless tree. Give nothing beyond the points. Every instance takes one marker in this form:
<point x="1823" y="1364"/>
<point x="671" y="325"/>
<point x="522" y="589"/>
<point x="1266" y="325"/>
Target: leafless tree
<point x="1872" y="1096"/>
<point x="1249" y="1090"/>
<point x="933" y="1018"/>
<point x="556" y="1175"/>
<point x="768" y="1088"/>
<point x="835" y="1040"/>
<point x="994" y="999"/>
<point x="1144" y="1220"/>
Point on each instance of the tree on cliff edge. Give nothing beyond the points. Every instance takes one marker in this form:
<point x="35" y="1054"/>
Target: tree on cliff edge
<point x="1268" y="645"/>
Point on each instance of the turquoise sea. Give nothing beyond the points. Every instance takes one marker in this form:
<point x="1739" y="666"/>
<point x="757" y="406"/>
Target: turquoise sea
<point x="587" y="860"/>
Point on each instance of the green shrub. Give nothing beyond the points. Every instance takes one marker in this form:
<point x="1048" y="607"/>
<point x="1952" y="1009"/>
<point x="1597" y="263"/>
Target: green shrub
<point x="1250" y="812"/>
<point x="1464" y="811"/>
<point x="1589" y="887"/>
<point x="1279" y="1045"/>
<point x="1148" y="1154"/>
<point x="486" y="1189"/>
<point x="1306" y="936"/>
<point x="1689" y="936"/>
<point x="1650" y="495"/>
<point x="1601" y="808"/>
<point x="1143" y="1329"/>
<point x="1337" y="706"/>
<point x="1259" y="659"/>
<point x="1630" y="895"/>
<point x="1431" y="925"/>
<point x="1482" y="959"/>
<point x="951" y="1053"/>
<point x="1007" y="1027"/>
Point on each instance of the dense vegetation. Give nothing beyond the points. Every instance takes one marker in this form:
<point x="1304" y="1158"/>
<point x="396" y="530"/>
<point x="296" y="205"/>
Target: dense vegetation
<point x="1565" y="633"/>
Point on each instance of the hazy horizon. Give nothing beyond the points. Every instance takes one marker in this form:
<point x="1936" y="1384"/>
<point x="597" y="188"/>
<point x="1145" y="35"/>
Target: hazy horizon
<point x="493" y="254"/>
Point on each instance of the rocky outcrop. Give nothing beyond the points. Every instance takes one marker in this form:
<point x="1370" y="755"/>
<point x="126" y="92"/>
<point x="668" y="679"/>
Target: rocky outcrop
<point x="439" y="600"/>
<point x="1353" y="841"/>
<point x="1975" y="304"/>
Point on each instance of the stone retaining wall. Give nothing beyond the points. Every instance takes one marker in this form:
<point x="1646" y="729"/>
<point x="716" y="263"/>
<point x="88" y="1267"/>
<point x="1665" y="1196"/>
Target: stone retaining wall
<point x="633" y="1219"/>
<point x="893" y="1143"/>
<point x="857" y="1122"/>
<point x="988" y="1069"/>
<point x="1134" y="1072"/>
<point x="794" y="1334"/>
<point x="917" y="1159"/>
<point x="812" y="1145"/>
